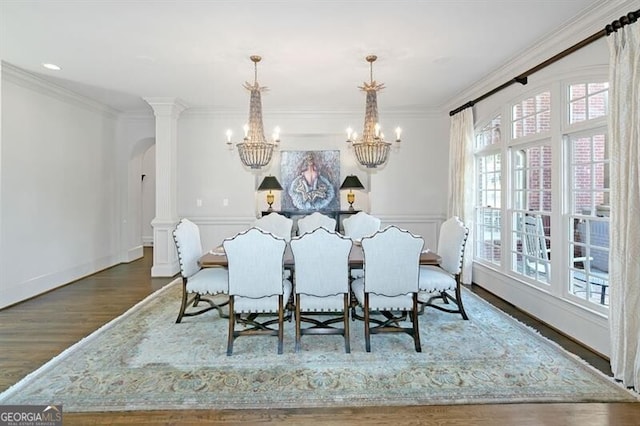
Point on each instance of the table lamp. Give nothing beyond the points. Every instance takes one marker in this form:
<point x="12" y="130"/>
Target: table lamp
<point x="270" y="183"/>
<point x="351" y="182"/>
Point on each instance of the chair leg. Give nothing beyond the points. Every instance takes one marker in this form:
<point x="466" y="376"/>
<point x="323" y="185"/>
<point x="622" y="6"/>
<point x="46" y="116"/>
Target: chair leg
<point x="183" y="305"/>
<point x="232" y="317"/>
<point x="414" y="320"/>
<point x="298" y="332"/>
<point x="347" y="343"/>
<point x="367" y="333"/>
<point x="280" y="323"/>
<point x="459" y="302"/>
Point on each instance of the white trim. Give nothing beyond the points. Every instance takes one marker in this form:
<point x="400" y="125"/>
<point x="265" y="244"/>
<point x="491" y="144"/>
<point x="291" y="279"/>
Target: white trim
<point x="165" y="270"/>
<point x="307" y="112"/>
<point x="134" y="253"/>
<point x="587" y="23"/>
<point x="588" y="327"/>
<point x="17" y="292"/>
<point x="37" y="84"/>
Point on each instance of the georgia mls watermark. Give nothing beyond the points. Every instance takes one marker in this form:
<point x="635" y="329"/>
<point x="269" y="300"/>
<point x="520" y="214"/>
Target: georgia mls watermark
<point x="30" y="415"/>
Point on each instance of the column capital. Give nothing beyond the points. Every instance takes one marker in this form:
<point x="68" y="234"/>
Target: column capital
<point x="166" y="107"/>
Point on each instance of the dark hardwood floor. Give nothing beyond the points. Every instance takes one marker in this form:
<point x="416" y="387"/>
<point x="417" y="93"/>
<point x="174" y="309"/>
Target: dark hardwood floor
<point x="34" y="331"/>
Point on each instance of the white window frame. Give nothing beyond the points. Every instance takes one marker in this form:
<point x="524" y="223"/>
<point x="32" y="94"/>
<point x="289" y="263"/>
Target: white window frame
<point x="584" y="128"/>
<point x="480" y="152"/>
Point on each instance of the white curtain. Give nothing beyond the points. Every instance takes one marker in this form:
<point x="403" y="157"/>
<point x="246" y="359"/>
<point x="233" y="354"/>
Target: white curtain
<point x="460" y="200"/>
<point x="624" y="260"/>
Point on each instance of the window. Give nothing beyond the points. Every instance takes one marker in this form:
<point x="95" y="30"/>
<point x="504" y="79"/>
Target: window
<point x="489" y="193"/>
<point x="542" y="192"/>
<point x="588" y="101"/>
<point x="587" y="180"/>
<point x="488" y="216"/>
<point x="531" y="211"/>
<point x="531" y="116"/>
<point x="489" y="134"/>
<point x="589" y="217"/>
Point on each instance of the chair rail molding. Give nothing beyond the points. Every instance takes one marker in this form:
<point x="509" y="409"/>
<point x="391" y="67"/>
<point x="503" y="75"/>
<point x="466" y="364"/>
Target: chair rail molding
<point x="427" y="226"/>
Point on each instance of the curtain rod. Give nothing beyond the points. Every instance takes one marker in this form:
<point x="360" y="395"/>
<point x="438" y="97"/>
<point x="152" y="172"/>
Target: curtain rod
<point x="627" y="19"/>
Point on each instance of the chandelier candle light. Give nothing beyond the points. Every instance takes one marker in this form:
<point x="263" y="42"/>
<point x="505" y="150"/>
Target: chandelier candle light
<point x="371" y="149"/>
<point x="255" y="150"/>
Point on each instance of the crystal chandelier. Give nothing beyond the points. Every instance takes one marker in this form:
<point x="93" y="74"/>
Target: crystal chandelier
<point x="255" y="150"/>
<point x="371" y="149"/>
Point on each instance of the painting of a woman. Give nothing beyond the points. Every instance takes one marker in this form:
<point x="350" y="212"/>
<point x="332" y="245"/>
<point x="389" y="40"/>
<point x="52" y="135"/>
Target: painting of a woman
<point x="310" y="180"/>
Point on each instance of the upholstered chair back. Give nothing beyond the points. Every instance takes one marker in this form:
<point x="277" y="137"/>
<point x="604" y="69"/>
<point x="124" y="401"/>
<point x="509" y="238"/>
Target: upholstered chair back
<point x="391" y="262"/>
<point x="451" y="242"/>
<point x="315" y="220"/>
<point x="321" y="263"/>
<point x="360" y="225"/>
<point x="255" y="263"/>
<point x="187" y="239"/>
<point x="276" y="224"/>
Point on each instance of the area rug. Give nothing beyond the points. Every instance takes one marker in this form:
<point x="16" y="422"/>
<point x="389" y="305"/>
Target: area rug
<point x="143" y="360"/>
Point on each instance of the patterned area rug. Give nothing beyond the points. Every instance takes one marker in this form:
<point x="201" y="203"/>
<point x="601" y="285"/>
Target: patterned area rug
<point x="144" y="361"/>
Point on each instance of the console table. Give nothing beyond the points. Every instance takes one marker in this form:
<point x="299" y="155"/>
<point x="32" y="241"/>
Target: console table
<point x="338" y="215"/>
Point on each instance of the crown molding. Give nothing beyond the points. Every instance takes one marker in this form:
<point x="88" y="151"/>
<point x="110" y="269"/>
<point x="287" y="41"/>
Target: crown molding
<point x="310" y="112"/>
<point x="138" y="115"/>
<point x="38" y="84"/>
<point x="587" y="23"/>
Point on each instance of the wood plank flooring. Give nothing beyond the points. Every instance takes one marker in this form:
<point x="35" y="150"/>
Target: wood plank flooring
<point x="36" y="330"/>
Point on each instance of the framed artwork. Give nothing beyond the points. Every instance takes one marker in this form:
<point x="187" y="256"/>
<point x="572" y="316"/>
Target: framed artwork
<point x="310" y="180"/>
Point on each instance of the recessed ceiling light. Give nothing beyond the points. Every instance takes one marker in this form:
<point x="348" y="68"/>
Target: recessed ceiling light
<point x="53" y="67"/>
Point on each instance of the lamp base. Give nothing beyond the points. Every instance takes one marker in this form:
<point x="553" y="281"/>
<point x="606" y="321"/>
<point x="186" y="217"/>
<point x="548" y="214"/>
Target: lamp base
<point x="270" y="199"/>
<point x="351" y="209"/>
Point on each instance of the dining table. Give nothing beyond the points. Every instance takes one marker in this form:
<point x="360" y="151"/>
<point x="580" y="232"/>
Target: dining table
<point x="217" y="257"/>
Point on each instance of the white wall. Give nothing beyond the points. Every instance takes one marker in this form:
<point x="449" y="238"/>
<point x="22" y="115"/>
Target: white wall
<point x="72" y="190"/>
<point x="59" y="206"/>
<point x="410" y="191"/>
<point x="148" y="194"/>
<point x="136" y="136"/>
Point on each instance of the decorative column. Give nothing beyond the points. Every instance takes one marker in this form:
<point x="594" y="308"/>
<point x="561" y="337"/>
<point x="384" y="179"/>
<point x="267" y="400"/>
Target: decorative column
<point x="166" y="111"/>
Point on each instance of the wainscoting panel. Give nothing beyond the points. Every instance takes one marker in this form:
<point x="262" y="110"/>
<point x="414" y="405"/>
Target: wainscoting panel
<point x="215" y="229"/>
<point x="427" y="226"/>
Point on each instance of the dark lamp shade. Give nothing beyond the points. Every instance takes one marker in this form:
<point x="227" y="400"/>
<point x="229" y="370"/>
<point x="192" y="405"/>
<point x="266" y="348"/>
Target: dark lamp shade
<point x="269" y="183"/>
<point x="352" y="182"/>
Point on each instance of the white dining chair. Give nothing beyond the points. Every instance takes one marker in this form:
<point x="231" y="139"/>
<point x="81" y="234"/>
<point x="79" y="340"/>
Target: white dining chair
<point x="277" y="224"/>
<point x="197" y="281"/>
<point x="315" y="220"/>
<point x="257" y="288"/>
<point x="321" y="260"/>
<point x="438" y="282"/>
<point x="390" y="283"/>
<point x="360" y="225"/>
<point x="357" y="226"/>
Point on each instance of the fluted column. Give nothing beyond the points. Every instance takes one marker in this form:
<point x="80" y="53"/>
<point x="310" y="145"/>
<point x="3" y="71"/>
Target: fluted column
<point x="166" y="111"/>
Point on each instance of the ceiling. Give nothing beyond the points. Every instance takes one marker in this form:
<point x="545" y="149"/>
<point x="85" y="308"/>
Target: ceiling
<point x="119" y="52"/>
